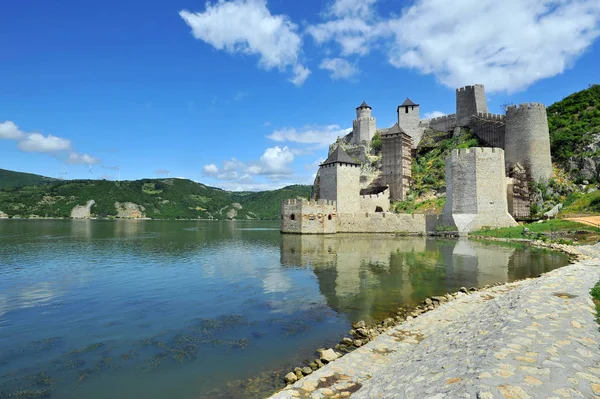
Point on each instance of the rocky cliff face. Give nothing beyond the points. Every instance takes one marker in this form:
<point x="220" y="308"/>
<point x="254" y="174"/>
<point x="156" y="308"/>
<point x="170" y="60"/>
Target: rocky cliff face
<point x="3" y="215"/>
<point x="129" y="210"/>
<point x="83" y="211"/>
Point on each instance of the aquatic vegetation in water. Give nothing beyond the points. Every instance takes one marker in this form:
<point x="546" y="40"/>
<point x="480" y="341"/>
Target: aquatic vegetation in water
<point x="132" y="354"/>
<point x="72" y="364"/>
<point x="31" y="394"/>
<point x="86" y="349"/>
<point x="40" y="379"/>
<point x="103" y="364"/>
<point x="84" y="375"/>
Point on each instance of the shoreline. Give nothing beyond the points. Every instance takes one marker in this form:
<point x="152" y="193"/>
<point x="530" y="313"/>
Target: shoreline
<point x="332" y="378"/>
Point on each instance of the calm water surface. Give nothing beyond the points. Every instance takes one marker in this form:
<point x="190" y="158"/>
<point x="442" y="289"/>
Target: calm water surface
<point x="154" y="309"/>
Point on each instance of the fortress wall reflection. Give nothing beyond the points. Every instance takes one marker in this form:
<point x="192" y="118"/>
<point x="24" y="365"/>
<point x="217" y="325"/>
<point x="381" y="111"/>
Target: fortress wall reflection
<point x="362" y="275"/>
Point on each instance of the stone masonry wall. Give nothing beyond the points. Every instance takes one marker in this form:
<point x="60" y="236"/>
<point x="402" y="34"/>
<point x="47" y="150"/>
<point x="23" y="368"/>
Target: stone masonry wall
<point x="386" y="223"/>
<point x="489" y="128"/>
<point x="476" y="190"/>
<point x="527" y="139"/>
<point x="444" y="123"/>
<point x="396" y="164"/>
<point x="341" y="183"/>
<point x="363" y="127"/>
<point x="372" y="202"/>
<point x="469" y="101"/>
<point x="308" y="217"/>
<point x="409" y="122"/>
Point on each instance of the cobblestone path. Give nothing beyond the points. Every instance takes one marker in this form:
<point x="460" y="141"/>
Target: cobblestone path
<point x="536" y="338"/>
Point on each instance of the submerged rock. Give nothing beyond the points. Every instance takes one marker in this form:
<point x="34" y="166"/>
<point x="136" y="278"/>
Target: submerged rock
<point x="290" y="378"/>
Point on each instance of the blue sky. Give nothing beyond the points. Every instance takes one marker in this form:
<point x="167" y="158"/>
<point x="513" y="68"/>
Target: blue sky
<point x="247" y="94"/>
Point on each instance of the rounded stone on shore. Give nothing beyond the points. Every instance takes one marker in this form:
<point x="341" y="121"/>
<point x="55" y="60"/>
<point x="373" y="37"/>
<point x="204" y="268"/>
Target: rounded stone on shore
<point x="291" y="378"/>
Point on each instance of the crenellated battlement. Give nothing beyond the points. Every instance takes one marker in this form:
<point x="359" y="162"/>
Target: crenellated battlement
<point x="384" y="194"/>
<point x="525" y="108"/>
<point x="441" y="118"/>
<point x="469" y="88"/>
<point x="362" y="118"/>
<point x="477" y="150"/>
<point x="301" y="201"/>
<point x="491" y="117"/>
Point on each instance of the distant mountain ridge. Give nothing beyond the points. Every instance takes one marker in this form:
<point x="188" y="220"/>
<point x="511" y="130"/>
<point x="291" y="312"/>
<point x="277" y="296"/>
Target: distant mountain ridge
<point x="26" y="195"/>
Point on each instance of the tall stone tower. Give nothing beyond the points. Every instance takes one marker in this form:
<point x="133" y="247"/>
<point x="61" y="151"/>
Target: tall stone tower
<point x="364" y="126"/>
<point x="396" y="161"/>
<point x="408" y="120"/>
<point x="340" y="181"/>
<point x="469" y="101"/>
<point x="476" y="190"/>
<point x="527" y="140"/>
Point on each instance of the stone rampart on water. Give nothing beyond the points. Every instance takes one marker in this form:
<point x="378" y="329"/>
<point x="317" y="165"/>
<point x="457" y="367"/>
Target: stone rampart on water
<point x="416" y="224"/>
<point x="308" y="217"/>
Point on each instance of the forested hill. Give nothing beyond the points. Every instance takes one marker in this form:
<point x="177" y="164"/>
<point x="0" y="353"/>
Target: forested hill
<point x="575" y="132"/>
<point x="10" y="179"/>
<point x="160" y="198"/>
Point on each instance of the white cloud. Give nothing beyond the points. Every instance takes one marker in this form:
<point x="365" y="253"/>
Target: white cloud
<point x="231" y="175"/>
<point x="274" y="161"/>
<point x="322" y="136"/>
<point x="76" y="158"/>
<point x="433" y="114"/>
<point x="162" y="172"/>
<point x="210" y="170"/>
<point x="232" y="164"/>
<point x="248" y="27"/>
<point x="36" y="142"/>
<point x="311" y="167"/>
<point x="506" y="45"/>
<point x="339" y="67"/>
<point x="10" y="131"/>
<point x="358" y="8"/>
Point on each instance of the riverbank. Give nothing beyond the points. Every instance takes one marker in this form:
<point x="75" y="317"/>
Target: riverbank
<point x="526" y="339"/>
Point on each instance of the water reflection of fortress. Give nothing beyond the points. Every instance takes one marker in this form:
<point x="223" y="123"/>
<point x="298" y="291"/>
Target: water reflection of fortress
<point x="362" y="275"/>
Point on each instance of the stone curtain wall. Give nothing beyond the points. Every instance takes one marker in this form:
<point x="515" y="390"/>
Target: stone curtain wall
<point x="489" y="128"/>
<point x="527" y="139"/>
<point x="371" y="202"/>
<point x="469" y="101"/>
<point x="416" y="224"/>
<point x="445" y="123"/>
<point x="308" y="217"/>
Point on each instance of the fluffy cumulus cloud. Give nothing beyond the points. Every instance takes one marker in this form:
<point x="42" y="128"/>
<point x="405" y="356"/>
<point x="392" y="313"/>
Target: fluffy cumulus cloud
<point x="210" y="170"/>
<point x="36" y="142"/>
<point x="10" y="131"/>
<point x="76" y="158"/>
<point x="274" y="161"/>
<point x="506" y="45"/>
<point x="248" y="27"/>
<point x="433" y="114"/>
<point x="320" y="136"/>
<point x="339" y="68"/>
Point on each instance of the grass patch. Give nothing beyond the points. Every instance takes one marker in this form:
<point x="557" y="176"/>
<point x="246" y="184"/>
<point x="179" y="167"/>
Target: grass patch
<point x="562" y="231"/>
<point x="582" y="205"/>
<point x="429" y="207"/>
<point x="595" y="292"/>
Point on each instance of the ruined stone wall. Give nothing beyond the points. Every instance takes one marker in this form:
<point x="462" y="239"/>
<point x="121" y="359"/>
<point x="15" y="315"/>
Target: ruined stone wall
<point x="489" y="128"/>
<point x="476" y="190"/>
<point x="469" y="101"/>
<point x="444" y="123"/>
<point x="375" y="202"/>
<point x="409" y="122"/>
<point x="308" y="217"/>
<point x="341" y="183"/>
<point x="519" y="202"/>
<point x="396" y="164"/>
<point x="527" y="139"/>
<point x="363" y="129"/>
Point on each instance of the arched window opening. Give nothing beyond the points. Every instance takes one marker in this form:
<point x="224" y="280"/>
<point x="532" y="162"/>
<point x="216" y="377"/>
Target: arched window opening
<point x="292" y="217"/>
<point x="329" y="217"/>
<point x="378" y="209"/>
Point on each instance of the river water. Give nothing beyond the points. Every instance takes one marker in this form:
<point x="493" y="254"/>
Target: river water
<point x="186" y="309"/>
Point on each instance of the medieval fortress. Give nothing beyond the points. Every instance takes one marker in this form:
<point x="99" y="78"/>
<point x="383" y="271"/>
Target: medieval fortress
<point x="486" y="186"/>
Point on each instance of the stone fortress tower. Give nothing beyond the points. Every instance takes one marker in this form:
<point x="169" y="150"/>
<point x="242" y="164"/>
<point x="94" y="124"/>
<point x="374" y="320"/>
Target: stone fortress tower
<point x="527" y="141"/>
<point x="476" y="190"/>
<point x="364" y="126"/>
<point x="396" y="159"/>
<point x="339" y="181"/>
<point x="470" y="100"/>
<point x="408" y="120"/>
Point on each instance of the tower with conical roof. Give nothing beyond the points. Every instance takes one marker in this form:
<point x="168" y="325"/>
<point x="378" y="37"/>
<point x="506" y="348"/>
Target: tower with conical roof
<point x="340" y="181"/>
<point x="408" y="120"/>
<point x="364" y="126"/>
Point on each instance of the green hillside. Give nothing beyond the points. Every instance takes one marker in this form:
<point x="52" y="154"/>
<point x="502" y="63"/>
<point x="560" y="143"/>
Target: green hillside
<point x="10" y="179"/>
<point x="573" y="122"/>
<point x="161" y="198"/>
